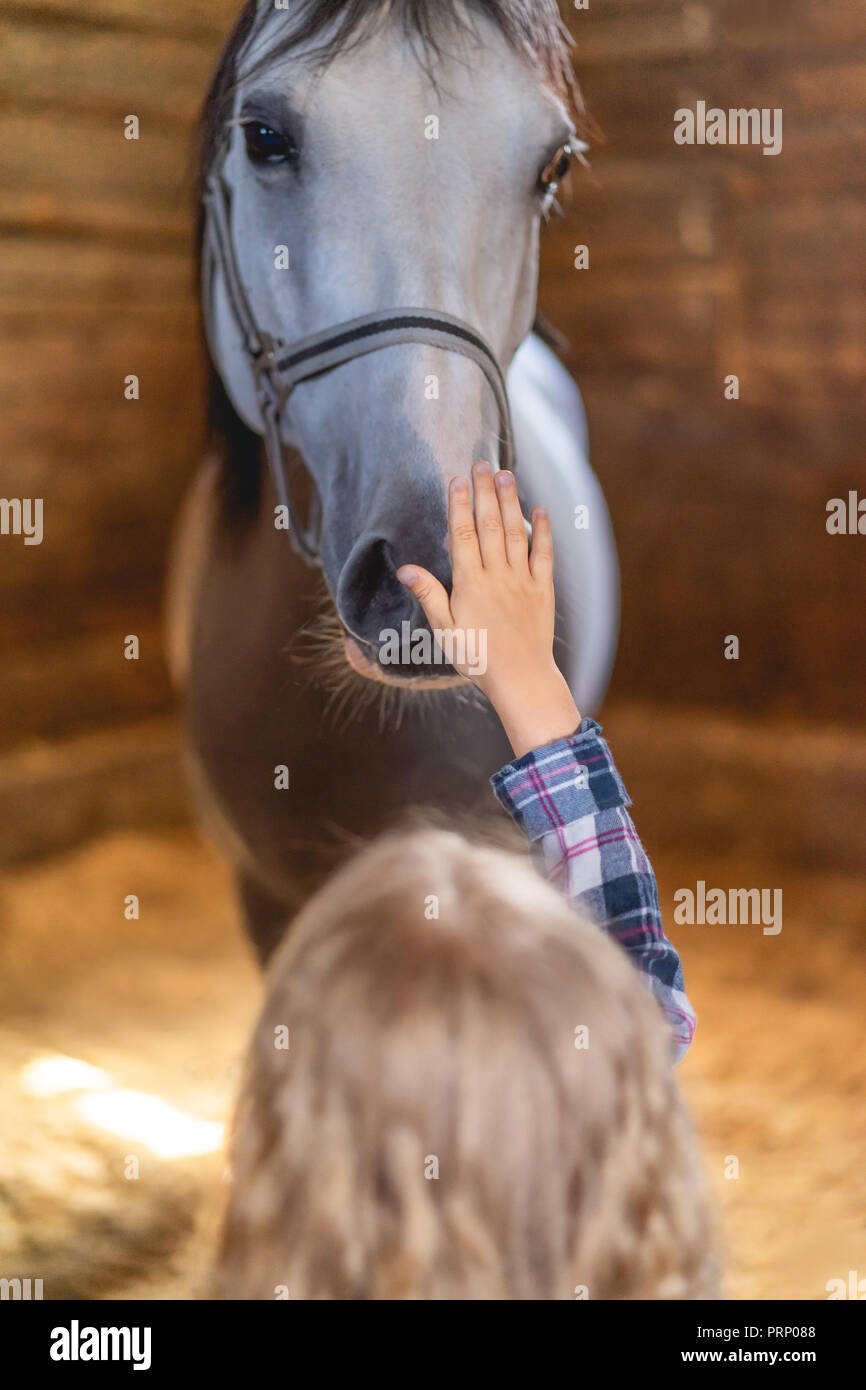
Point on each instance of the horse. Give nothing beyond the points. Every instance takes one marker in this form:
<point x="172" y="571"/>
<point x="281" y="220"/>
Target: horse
<point x="374" y="178"/>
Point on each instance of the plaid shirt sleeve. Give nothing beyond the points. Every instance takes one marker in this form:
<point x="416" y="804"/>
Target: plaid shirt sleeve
<point x="570" y="800"/>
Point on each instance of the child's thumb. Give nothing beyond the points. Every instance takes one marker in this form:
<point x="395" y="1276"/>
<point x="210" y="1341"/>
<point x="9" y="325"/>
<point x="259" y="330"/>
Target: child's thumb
<point x="429" y="593"/>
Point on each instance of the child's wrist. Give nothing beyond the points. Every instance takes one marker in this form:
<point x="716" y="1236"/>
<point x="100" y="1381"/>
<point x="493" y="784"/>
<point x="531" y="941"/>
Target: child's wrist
<point x="536" y="711"/>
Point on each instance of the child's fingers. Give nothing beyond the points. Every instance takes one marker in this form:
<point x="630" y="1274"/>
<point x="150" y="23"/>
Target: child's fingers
<point x="488" y="517"/>
<point x="541" y="555"/>
<point x="462" y="535"/>
<point x="516" y="543"/>
<point x="429" y="593"/>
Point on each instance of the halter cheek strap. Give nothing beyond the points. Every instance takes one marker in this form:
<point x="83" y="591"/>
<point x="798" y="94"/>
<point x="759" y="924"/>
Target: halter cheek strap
<point x="278" y="367"/>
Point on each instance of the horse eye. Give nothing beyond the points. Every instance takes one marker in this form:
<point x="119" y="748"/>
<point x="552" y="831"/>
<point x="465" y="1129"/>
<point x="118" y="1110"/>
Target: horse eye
<point x="266" y="146"/>
<point x="555" y="169"/>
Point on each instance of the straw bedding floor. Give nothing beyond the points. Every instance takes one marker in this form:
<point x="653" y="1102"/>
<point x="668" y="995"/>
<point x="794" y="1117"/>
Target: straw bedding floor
<point x="104" y="1194"/>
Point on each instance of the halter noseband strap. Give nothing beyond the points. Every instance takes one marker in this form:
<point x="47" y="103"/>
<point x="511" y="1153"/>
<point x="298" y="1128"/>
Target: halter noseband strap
<point x="278" y="366"/>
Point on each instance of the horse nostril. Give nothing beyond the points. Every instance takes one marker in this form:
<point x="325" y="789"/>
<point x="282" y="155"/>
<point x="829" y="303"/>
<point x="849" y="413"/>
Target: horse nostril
<point x="370" y="598"/>
<point x="388" y="552"/>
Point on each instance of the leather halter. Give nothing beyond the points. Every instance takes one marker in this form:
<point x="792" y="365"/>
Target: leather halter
<point x="278" y="366"/>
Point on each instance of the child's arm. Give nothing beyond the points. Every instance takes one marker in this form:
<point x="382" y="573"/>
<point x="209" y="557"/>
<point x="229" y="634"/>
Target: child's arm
<point x="569" y="798"/>
<point x="563" y="788"/>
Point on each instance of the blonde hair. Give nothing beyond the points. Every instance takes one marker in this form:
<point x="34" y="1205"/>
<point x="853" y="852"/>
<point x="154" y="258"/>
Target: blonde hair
<point x="439" y="1127"/>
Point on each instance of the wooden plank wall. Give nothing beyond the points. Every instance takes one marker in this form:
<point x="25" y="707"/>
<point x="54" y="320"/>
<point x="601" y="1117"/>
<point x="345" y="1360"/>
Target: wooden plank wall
<point x="717" y="260"/>
<point x="702" y="262"/>
<point x="95" y="283"/>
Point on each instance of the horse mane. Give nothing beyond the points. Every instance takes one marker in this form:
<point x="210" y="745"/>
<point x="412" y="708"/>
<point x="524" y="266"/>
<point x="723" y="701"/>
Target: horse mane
<point x="533" y="28"/>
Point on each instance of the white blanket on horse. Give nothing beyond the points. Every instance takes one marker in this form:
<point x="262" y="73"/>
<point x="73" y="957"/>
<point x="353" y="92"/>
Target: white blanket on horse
<point x="553" y="470"/>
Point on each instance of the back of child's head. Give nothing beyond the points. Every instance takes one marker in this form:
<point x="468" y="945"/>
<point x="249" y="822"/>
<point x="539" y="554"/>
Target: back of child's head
<point x="458" y="1089"/>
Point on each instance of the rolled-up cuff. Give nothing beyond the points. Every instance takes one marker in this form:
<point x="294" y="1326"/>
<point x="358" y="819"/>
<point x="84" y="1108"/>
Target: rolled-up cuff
<point x="561" y="782"/>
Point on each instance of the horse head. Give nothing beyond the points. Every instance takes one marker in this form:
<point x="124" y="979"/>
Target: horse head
<point x="364" y="166"/>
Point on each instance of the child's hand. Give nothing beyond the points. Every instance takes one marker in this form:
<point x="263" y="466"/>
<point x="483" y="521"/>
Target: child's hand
<point x="501" y="595"/>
